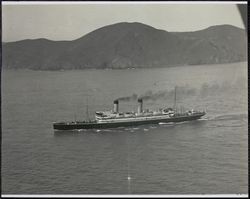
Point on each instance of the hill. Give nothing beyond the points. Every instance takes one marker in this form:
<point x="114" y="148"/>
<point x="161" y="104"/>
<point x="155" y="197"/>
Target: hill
<point x="126" y="45"/>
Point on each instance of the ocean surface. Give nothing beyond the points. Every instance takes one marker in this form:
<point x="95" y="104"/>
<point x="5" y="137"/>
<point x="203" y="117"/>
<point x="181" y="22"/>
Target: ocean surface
<point x="208" y="156"/>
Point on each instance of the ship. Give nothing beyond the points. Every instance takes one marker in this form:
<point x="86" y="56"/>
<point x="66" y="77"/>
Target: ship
<point x="114" y="118"/>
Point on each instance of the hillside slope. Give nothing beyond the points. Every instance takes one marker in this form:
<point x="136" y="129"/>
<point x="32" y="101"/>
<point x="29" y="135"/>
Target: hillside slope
<point x="126" y="45"/>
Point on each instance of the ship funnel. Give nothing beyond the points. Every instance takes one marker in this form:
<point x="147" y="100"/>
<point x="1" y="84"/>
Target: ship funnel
<point x="116" y="106"/>
<point x="139" y="106"/>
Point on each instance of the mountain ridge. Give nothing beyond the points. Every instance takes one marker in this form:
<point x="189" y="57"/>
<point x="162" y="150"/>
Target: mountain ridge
<point x="126" y="45"/>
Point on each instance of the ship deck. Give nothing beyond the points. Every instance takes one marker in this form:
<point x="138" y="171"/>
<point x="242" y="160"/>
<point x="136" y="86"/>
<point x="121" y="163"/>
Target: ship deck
<point x="124" y="123"/>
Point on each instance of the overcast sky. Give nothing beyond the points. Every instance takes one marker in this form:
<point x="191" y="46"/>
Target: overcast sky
<point x="68" y="22"/>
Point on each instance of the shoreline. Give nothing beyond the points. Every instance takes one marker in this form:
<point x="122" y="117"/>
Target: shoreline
<point x="129" y="68"/>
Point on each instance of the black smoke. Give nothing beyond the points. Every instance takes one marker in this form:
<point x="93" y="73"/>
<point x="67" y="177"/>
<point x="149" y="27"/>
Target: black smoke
<point x="183" y="92"/>
<point x="128" y="98"/>
<point x="168" y="94"/>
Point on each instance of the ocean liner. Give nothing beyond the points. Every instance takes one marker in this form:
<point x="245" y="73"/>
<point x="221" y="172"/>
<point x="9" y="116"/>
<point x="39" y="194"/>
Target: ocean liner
<point x="114" y="118"/>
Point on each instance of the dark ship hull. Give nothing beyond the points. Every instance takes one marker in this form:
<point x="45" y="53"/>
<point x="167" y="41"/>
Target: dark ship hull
<point x="96" y="125"/>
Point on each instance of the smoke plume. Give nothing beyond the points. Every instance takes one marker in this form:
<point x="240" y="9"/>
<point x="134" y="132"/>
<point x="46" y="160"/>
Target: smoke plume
<point x="167" y="94"/>
<point x="128" y="98"/>
<point x="182" y="92"/>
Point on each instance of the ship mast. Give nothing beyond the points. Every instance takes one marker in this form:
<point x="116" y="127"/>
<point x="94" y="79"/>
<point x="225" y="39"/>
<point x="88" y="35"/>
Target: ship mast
<point x="75" y="117"/>
<point x="87" y="109"/>
<point x="175" y="97"/>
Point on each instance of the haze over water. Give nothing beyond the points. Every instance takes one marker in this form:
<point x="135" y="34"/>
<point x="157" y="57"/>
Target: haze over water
<point x="201" y="157"/>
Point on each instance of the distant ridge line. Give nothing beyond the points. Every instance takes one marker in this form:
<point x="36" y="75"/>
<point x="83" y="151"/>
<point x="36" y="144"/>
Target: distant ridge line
<point x="129" y="44"/>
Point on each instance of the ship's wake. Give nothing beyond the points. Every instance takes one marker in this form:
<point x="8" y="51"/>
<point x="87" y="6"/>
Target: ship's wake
<point x="232" y="120"/>
<point x="230" y="116"/>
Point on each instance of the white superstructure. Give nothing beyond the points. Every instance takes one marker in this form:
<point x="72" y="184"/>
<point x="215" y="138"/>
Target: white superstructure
<point x="140" y="115"/>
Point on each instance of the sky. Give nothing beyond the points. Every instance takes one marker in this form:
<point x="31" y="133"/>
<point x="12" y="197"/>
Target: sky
<point x="72" y="21"/>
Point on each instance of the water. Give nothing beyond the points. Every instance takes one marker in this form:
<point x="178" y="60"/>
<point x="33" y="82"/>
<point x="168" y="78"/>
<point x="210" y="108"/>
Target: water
<point x="200" y="157"/>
